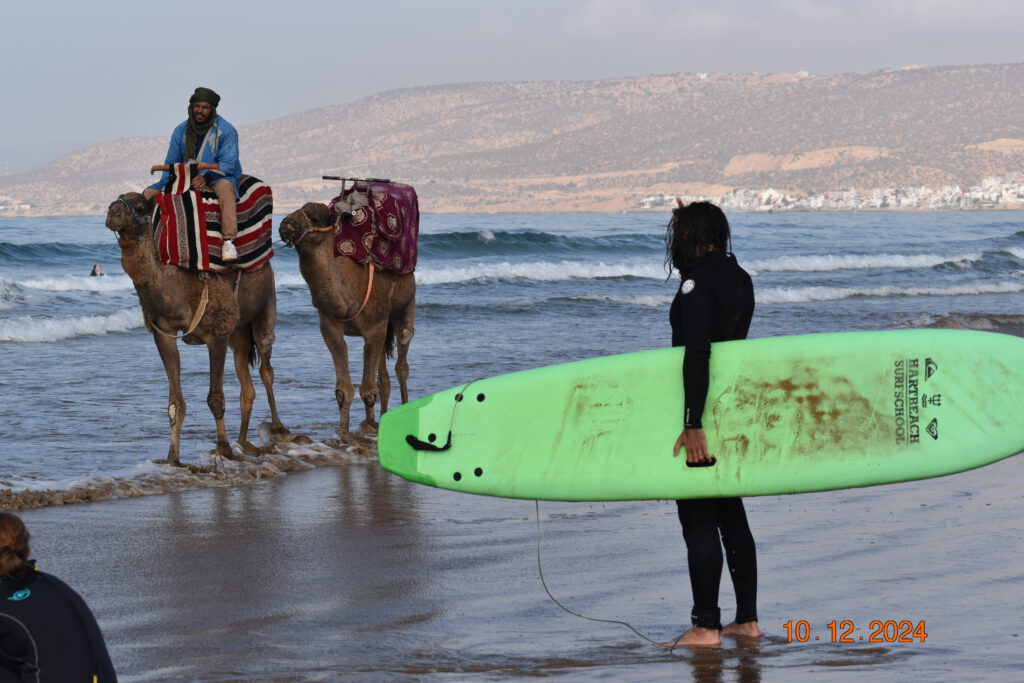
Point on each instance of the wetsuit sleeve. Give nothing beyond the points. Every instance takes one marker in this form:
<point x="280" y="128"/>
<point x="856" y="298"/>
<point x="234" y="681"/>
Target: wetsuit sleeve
<point x="698" y="312"/>
<point x="103" y="668"/>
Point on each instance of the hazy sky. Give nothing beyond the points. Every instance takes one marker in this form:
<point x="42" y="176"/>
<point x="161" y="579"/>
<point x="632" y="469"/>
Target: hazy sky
<point x="83" y="72"/>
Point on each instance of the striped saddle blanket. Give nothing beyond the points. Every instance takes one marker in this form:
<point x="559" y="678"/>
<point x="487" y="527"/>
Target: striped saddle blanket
<point x="188" y="224"/>
<point x="378" y="223"/>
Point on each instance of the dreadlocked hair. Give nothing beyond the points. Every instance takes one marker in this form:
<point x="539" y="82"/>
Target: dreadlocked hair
<point x="693" y="231"/>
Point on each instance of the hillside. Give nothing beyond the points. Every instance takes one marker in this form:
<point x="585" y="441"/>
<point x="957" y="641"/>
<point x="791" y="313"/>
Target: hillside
<point x="602" y="145"/>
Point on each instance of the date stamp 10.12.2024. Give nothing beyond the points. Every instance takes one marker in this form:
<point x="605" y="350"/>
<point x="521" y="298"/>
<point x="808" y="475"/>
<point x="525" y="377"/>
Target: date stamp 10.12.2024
<point x="846" y="631"/>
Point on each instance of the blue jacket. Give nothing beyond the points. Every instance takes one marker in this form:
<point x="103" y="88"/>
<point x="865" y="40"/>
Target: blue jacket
<point x="220" y="146"/>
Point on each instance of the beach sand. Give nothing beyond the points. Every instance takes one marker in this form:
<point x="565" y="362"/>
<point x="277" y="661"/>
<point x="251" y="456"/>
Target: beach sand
<point x="351" y="573"/>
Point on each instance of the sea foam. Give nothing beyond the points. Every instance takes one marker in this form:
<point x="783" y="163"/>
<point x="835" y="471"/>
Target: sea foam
<point x="73" y="283"/>
<point x="57" y="328"/>
<point x="833" y="262"/>
<point x="779" y="295"/>
<point x="542" y="271"/>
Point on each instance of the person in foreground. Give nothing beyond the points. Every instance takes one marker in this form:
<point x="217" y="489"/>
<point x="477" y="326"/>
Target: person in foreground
<point x="208" y="138"/>
<point x="715" y="302"/>
<point x="47" y="632"/>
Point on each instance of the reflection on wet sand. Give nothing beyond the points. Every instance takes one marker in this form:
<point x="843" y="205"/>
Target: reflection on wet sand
<point x="352" y="572"/>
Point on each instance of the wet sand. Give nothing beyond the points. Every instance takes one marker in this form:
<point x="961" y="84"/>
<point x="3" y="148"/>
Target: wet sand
<point x="349" y="573"/>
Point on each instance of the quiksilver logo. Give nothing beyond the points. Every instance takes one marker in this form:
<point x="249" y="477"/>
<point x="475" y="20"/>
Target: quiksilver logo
<point x="930" y="368"/>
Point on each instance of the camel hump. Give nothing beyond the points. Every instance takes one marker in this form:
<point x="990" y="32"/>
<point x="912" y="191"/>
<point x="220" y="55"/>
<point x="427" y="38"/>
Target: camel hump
<point x="379" y="223"/>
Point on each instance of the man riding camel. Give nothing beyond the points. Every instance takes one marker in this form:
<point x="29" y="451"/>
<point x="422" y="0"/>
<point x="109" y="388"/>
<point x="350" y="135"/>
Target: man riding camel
<point x="208" y="138"/>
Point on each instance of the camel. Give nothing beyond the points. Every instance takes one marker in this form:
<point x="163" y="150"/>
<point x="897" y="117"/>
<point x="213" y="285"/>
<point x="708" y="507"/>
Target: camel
<point x="240" y="312"/>
<point x="339" y="287"/>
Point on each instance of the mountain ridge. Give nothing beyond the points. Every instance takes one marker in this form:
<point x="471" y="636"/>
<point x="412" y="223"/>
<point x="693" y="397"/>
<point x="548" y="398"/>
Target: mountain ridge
<point x="603" y="145"/>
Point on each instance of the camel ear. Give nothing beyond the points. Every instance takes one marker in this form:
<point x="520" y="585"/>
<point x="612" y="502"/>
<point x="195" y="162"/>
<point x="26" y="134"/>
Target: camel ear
<point x="679" y="201"/>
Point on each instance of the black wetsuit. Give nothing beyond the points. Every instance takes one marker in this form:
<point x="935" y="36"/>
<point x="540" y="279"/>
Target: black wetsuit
<point x="47" y="633"/>
<point x="715" y="303"/>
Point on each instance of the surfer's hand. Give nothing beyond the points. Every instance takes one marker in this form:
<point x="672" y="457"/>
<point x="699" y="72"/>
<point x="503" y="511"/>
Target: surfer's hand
<point x="695" y="442"/>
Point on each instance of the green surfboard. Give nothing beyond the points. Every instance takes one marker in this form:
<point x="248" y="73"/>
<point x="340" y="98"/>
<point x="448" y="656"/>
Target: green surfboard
<point x="784" y="415"/>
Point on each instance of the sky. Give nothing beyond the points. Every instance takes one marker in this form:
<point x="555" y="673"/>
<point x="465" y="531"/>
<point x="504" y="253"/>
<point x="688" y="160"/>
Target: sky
<point x="77" y="73"/>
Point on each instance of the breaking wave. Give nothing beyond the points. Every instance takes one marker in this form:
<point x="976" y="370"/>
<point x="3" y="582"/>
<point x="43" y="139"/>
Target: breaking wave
<point x="542" y="271"/>
<point x="58" y="328"/>
<point x="831" y="262"/>
<point x="76" y="283"/>
<point x="807" y="294"/>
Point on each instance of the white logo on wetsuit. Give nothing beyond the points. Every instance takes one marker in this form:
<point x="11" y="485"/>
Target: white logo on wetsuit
<point x="687" y="286"/>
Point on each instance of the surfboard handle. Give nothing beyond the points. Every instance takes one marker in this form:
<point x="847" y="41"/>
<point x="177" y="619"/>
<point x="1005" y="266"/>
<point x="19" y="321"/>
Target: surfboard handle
<point x="706" y="463"/>
<point x="426" y="446"/>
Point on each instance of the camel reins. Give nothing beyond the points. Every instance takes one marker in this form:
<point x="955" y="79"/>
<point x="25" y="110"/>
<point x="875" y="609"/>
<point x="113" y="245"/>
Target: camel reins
<point x="203" y="300"/>
<point x="369" y="288"/>
<point x="369" y="281"/>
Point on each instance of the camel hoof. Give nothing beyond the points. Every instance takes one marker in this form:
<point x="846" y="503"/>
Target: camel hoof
<point x="368" y="427"/>
<point x="271" y="433"/>
<point x="251" y="449"/>
<point x="354" y="439"/>
<point x="167" y="461"/>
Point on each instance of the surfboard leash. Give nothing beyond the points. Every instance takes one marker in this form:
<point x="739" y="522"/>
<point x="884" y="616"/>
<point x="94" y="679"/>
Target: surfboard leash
<point x="540" y="571"/>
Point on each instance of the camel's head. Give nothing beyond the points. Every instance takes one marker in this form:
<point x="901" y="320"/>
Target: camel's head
<point x="129" y="215"/>
<point x="310" y="224"/>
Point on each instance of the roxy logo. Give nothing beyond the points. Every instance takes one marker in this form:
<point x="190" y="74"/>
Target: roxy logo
<point x="933" y="428"/>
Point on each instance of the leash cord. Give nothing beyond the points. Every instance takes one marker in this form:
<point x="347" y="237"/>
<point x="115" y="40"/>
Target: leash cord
<point x="540" y="571"/>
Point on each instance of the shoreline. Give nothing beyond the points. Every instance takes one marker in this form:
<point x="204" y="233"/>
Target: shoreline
<point x="284" y="210"/>
<point x="213" y="471"/>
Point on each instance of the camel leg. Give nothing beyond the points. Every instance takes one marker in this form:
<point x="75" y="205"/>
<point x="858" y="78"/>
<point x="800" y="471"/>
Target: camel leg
<point x="334" y="337"/>
<point x="168" y="349"/>
<point x="405" y="329"/>
<point x="218" y="349"/>
<point x="241" y="347"/>
<point x="384" y="383"/>
<point x="373" y="356"/>
<point x="263" y="335"/>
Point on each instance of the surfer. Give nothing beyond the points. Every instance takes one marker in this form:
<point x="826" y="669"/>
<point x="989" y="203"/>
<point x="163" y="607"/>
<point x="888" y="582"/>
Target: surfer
<point x="47" y="632"/>
<point x="208" y="138"/>
<point x="97" y="269"/>
<point x="714" y="303"/>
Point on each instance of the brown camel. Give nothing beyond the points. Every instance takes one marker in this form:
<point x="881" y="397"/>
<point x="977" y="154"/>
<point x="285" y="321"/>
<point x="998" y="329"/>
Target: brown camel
<point x="338" y="286"/>
<point x="241" y="311"/>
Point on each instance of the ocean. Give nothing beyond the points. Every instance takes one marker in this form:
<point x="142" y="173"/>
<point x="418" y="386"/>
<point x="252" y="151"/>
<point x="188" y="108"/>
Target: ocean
<point x="426" y="583"/>
<point x="85" y="393"/>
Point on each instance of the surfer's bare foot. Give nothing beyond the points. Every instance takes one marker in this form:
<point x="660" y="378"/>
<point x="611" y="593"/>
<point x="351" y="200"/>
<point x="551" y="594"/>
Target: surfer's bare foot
<point x="748" y="629"/>
<point x="697" y="636"/>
